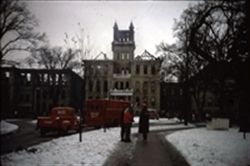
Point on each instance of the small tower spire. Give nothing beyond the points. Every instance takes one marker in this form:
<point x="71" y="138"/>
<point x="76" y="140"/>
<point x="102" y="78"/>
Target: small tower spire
<point x="115" y="31"/>
<point x="131" y="26"/>
<point x="115" y="26"/>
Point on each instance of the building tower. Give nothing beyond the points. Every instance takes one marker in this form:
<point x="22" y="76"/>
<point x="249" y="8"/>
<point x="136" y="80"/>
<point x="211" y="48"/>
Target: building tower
<point x="123" y="44"/>
<point x="123" y="47"/>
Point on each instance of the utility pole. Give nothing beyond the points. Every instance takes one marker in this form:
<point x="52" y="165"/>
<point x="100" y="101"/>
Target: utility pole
<point x="80" y="126"/>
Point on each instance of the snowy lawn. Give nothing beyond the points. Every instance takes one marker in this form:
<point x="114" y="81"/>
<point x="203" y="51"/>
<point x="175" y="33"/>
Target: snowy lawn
<point x="97" y="146"/>
<point x="212" y="147"/>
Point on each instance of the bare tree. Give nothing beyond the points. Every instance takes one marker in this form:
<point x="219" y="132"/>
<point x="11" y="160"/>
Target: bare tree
<point x="17" y="28"/>
<point x="54" y="58"/>
<point x="220" y="34"/>
<point x="182" y="63"/>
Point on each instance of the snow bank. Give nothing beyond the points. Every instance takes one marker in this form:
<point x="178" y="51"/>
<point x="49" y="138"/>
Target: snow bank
<point x="212" y="147"/>
<point x="7" y="127"/>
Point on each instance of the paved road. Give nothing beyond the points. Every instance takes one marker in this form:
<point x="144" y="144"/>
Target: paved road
<point x="26" y="136"/>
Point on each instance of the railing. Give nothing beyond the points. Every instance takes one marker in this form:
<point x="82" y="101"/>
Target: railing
<point x="121" y="92"/>
<point x="121" y="75"/>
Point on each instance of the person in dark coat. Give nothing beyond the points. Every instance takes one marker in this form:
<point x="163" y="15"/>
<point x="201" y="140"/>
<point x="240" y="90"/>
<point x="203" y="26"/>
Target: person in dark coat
<point x="122" y="124"/>
<point x="144" y="122"/>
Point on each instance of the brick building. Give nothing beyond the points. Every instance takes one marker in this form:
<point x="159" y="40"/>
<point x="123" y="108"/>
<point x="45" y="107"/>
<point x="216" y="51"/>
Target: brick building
<point x="32" y="92"/>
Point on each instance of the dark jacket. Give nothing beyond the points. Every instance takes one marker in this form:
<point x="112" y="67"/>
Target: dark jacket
<point x="144" y="121"/>
<point x="122" y="115"/>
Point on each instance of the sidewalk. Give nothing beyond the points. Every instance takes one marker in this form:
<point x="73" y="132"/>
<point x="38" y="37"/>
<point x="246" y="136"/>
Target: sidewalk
<point x="157" y="151"/>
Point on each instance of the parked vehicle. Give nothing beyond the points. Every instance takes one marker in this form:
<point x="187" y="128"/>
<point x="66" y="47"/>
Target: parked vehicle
<point x="153" y="113"/>
<point x="103" y="112"/>
<point x="61" y="120"/>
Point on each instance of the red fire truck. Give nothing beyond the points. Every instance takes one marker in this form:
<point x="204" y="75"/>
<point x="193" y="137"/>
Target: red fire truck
<point x="103" y="112"/>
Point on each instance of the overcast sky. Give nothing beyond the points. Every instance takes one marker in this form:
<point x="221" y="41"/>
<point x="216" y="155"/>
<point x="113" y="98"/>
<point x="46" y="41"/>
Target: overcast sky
<point x="153" y="21"/>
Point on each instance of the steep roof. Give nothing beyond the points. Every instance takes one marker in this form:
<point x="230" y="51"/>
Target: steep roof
<point x="145" y="56"/>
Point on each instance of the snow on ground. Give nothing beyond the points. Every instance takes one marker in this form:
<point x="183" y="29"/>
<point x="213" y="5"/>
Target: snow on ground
<point x="198" y="146"/>
<point x="212" y="147"/>
<point x="7" y="127"/>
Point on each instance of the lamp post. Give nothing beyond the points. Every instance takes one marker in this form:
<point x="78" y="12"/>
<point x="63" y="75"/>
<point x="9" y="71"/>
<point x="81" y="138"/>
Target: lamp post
<point x="36" y="97"/>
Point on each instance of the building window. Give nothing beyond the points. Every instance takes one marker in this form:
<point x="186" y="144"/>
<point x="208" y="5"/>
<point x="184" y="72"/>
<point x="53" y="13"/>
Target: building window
<point x="153" y="70"/>
<point x="153" y="86"/>
<point x="106" y="69"/>
<point x="127" y="71"/>
<point x="137" y="86"/>
<point x="209" y="102"/>
<point x="44" y="94"/>
<point x="137" y="101"/>
<point x="127" y="85"/>
<point x="116" y="85"/>
<point x="27" y="98"/>
<point x="98" y="86"/>
<point x="57" y="80"/>
<point x="28" y="78"/>
<point x="181" y="92"/>
<point x="44" y="108"/>
<point x="153" y="102"/>
<point x="90" y="86"/>
<point x="145" y="86"/>
<point x="145" y="99"/>
<point x="7" y="74"/>
<point x="38" y="93"/>
<point x="122" y="85"/>
<point x="21" y="98"/>
<point x="145" y="69"/>
<point x="63" y="95"/>
<point x="118" y="56"/>
<point x="98" y="69"/>
<point x="91" y="70"/>
<point x="105" y="86"/>
<point x="137" y="70"/>
<point x="63" y="79"/>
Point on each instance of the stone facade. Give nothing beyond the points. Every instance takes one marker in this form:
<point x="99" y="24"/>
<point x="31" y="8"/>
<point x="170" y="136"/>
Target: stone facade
<point x="125" y="77"/>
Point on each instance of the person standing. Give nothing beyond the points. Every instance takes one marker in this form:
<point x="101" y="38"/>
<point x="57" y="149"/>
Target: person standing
<point x="144" y="122"/>
<point x="122" y="124"/>
<point x="127" y="123"/>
